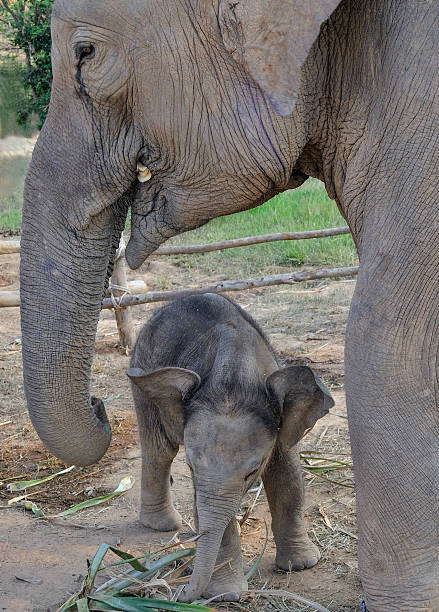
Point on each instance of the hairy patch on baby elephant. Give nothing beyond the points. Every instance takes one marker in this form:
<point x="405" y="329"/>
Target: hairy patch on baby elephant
<point x="204" y="375"/>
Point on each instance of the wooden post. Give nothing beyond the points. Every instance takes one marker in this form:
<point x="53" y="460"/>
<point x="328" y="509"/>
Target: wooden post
<point x="119" y="288"/>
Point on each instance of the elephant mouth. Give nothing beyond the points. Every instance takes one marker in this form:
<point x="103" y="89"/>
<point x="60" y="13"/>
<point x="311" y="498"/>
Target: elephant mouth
<point x="150" y="224"/>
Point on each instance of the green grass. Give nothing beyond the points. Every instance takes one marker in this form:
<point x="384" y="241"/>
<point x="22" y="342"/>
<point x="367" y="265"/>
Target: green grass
<point x="306" y="208"/>
<point x="10" y="212"/>
<point x="12" y="174"/>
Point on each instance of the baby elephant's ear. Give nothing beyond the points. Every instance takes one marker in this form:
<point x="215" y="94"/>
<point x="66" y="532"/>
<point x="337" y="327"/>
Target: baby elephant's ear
<point x="167" y="388"/>
<point x="303" y="398"/>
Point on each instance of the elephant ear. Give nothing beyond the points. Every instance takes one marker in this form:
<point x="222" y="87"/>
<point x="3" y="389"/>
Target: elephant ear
<point x="167" y="388"/>
<point x="303" y="398"/>
<point x="272" y="39"/>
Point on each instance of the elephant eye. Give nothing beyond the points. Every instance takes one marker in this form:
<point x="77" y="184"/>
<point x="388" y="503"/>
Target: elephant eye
<point x="84" y="50"/>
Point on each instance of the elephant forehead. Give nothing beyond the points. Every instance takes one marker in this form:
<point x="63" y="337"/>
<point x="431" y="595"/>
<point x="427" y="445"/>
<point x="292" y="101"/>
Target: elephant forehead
<point x="98" y="9"/>
<point x="234" y="437"/>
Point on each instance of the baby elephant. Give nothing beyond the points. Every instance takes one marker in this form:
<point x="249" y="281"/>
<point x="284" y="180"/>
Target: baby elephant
<point x="205" y="376"/>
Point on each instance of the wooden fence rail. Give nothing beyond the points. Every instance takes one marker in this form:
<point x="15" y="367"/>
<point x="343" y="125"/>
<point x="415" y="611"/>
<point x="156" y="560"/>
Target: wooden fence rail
<point x="13" y="246"/>
<point x="12" y="298"/>
<point x="125" y="294"/>
<point x="234" y="285"/>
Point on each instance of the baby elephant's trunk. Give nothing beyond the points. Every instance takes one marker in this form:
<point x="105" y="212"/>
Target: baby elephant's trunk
<point x="214" y="515"/>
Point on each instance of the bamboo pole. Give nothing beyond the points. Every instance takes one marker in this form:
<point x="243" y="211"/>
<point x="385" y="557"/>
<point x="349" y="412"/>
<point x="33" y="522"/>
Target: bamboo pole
<point x="14" y="245"/>
<point x="248" y="241"/>
<point x="9" y="299"/>
<point x="12" y="298"/>
<point x="123" y="315"/>
<point x="133" y="286"/>
<point x="234" y="285"/>
<point x="9" y="246"/>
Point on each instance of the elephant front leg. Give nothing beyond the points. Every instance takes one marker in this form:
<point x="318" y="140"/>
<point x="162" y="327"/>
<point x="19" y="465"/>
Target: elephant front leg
<point x="156" y="508"/>
<point x="283" y="482"/>
<point x="228" y="580"/>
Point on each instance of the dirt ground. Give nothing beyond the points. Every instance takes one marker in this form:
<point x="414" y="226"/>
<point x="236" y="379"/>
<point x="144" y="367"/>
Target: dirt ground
<point x="42" y="562"/>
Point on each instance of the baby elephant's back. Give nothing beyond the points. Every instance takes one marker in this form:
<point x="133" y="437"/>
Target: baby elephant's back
<point x="183" y="324"/>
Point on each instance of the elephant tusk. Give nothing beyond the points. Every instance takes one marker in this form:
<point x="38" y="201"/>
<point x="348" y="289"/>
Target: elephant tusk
<point x="143" y="173"/>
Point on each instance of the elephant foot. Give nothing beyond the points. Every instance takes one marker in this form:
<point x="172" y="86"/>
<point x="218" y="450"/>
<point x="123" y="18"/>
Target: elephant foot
<point x="226" y="588"/>
<point x="300" y="555"/>
<point x="164" y="520"/>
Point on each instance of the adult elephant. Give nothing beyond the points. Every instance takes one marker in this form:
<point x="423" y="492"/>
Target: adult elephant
<point x="227" y="103"/>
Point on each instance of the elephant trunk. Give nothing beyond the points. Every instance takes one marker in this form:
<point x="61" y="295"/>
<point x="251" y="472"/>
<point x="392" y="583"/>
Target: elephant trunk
<point x="214" y="514"/>
<point x="63" y="274"/>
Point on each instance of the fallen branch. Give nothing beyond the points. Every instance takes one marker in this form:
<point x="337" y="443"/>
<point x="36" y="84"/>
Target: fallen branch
<point x="233" y="285"/>
<point x="287" y="595"/>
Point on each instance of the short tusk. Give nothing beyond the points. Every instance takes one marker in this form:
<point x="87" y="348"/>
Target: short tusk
<point x="143" y="173"/>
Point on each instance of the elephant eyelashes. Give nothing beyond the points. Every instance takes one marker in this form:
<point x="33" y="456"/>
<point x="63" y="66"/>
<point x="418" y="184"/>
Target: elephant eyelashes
<point x="84" y="50"/>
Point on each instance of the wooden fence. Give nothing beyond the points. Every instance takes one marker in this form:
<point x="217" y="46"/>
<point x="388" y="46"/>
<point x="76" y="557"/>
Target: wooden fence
<point x="123" y="294"/>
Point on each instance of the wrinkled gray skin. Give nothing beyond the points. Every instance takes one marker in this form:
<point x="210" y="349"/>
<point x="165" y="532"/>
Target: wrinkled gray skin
<point x="205" y="376"/>
<point x="200" y="91"/>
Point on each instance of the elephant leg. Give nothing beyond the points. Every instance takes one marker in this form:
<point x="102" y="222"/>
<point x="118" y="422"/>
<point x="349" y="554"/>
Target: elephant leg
<point x="156" y="508"/>
<point x="392" y="398"/>
<point x="229" y="579"/>
<point x="284" y="486"/>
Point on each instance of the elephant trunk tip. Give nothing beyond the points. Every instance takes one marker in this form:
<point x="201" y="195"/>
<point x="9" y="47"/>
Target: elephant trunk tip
<point x="82" y="448"/>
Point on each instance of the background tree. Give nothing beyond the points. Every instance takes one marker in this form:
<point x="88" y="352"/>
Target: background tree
<point x="26" y="24"/>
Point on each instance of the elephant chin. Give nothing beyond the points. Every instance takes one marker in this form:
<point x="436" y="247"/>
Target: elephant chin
<point x="138" y="249"/>
<point x="150" y="227"/>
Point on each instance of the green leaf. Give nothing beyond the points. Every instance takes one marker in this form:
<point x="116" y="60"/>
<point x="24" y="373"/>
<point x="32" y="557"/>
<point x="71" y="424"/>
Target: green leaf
<point x="124" y="485"/>
<point x="82" y="605"/>
<point x="69" y="603"/>
<point x="21" y="485"/>
<point x="117" y="563"/>
<point x="34" y="508"/>
<point x="94" y="566"/>
<point x="133" y="561"/>
<point x="155" y="567"/>
<point x="101" y="605"/>
<point x="137" y="604"/>
<point x="255" y="566"/>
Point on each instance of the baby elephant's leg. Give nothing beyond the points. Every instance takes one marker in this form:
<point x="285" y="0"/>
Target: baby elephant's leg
<point x="156" y="508"/>
<point x="230" y="578"/>
<point x="283" y="482"/>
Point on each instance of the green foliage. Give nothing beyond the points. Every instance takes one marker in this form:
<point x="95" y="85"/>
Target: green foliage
<point x="26" y="24"/>
<point x="305" y="208"/>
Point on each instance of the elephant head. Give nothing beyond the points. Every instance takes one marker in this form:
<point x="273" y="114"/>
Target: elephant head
<point x="190" y="95"/>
